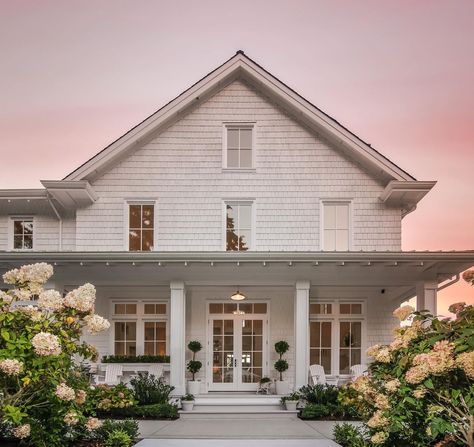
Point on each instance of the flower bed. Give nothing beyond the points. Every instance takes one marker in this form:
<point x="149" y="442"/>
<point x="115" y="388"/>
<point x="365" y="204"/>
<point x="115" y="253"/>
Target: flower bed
<point x="136" y="359"/>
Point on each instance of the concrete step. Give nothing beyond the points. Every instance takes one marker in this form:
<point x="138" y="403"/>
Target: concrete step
<point x="237" y="413"/>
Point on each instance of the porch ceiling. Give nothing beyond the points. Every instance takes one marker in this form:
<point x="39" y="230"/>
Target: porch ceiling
<point x="396" y="271"/>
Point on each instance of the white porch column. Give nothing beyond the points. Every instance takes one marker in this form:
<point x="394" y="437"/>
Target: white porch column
<point x="426" y="296"/>
<point x="177" y="337"/>
<point x="301" y="333"/>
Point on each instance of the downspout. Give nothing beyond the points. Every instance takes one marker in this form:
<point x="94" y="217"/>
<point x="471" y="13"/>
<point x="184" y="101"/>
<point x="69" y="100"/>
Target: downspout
<point x="60" y="220"/>
<point x="450" y="283"/>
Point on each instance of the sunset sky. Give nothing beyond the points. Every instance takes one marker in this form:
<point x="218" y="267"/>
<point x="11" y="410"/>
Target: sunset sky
<point x="76" y="75"/>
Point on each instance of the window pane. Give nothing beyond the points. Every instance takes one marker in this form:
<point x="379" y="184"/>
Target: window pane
<point x="149" y="308"/>
<point x="131" y="330"/>
<point x="342" y="217"/>
<point x="329" y="240"/>
<point x="326" y="360"/>
<point x="355" y="357"/>
<point x="246" y="138"/>
<point x="134" y="240"/>
<point x="131" y="309"/>
<point x="232" y="138"/>
<point x="160" y="348"/>
<point x="345" y="334"/>
<point x="18" y="227"/>
<point x="147" y="240"/>
<point x="147" y="218"/>
<point x="119" y="331"/>
<point x="329" y="217"/>
<point x="344" y="361"/>
<point x="260" y="308"/>
<point x="160" y="330"/>
<point x="356" y="335"/>
<point x="149" y="348"/>
<point x="356" y="309"/>
<point x="218" y="325"/>
<point x="326" y="334"/>
<point x="233" y="158"/>
<point x="119" y="348"/>
<point x="229" y="308"/>
<point x="342" y="240"/>
<point x="232" y="241"/>
<point x="149" y="331"/>
<point x="314" y="358"/>
<point x="244" y="240"/>
<point x="245" y="307"/>
<point x="314" y="334"/>
<point x="27" y="242"/>
<point x="245" y="217"/>
<point x="27" y="227"/>
<point x="130" y="349"/>
<point x="215" y="308"/>
<point x="135" y="216"/>
<point x="18" y="242"/>
<point x="120" y="309"/>
<point x="257" y="327"/>
<point x="345" y="309"/>
<point x="245" y="158"/>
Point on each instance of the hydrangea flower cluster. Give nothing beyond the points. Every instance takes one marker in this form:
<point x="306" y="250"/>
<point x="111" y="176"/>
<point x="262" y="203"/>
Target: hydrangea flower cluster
<point x="96" y="324"/>
<point x="45" y="343"/>
<point x="11" y="367"/>
<point x="81" y="299"/>
<point x="65" y="392"/>
<point x="50" y="300"/>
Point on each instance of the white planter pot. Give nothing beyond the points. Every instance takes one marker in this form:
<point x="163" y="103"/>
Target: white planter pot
<point x="187" y="405"/>
<point x="282" y="387"/>
<point x="194" y="387"/>
<point x="291" y="405"/>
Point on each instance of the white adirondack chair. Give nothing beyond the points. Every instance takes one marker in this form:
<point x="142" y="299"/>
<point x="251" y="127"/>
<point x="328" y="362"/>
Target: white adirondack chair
<point x="318" y="376"/>
<point x="155" y="370"/>
<point x="358" y="370"/>
<point x="113" y="373"/>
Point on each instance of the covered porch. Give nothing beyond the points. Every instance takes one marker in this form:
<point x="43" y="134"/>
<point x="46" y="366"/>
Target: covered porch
<point x="329" y="307"/>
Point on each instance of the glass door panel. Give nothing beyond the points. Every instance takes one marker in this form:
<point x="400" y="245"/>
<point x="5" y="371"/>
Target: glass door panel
<point x="223" y="351"/>
<point x="252" y="351"/>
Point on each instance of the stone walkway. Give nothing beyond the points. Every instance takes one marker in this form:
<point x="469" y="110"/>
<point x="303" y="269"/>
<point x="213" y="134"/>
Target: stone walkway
<point x="291" y="432"/>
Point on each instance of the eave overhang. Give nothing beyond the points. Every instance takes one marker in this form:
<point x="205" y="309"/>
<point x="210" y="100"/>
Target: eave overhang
<point x="71" y="194"/>
<point x="405" y="194"/>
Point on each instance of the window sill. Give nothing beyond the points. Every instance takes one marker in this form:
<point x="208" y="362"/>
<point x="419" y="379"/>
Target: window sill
<point x="249" y="170"/>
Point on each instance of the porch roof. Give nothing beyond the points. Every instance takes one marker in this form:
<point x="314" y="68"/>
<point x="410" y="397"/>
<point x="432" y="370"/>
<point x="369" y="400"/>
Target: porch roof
<point x="395" y="272"/>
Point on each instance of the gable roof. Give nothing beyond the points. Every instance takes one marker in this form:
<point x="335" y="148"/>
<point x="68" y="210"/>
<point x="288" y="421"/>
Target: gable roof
<point x="240" y="66"/>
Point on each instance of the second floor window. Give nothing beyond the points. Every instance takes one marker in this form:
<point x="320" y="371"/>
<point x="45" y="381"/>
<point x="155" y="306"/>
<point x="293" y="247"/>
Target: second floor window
<point x="238" y="226"/>
<point x="23" y="234"/>
<point x="336" y="226"/>
<point x="141" y="227"/>
<point x="239" y="146"/>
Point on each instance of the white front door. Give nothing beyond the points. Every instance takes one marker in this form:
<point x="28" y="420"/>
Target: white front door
<point x="238" y="348"/>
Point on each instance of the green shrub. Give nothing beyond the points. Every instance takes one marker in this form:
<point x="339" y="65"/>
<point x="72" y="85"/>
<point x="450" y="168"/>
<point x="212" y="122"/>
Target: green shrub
<point x="104" y="397"/>
<point x="315" y="411"/>
<point x="136" y="359"/>
<point x="194" y="365"/>
<point x="319" y="394"/>
<point x="154" y="411"/>
<point x="129" y="427"/>
<point x="118" y="438"/>
<point x="347" y="435"/>
<point x="147" y="389"/>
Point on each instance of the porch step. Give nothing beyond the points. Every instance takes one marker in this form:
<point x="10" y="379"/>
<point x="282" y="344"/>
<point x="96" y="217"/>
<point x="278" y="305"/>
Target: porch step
<point x="237" y="413"/>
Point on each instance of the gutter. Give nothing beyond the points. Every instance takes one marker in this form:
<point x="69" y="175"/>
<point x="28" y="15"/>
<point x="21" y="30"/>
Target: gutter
<point x="60" y="220"/>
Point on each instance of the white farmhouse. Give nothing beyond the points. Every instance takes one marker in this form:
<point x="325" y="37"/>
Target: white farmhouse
<point x="237" y="185"/>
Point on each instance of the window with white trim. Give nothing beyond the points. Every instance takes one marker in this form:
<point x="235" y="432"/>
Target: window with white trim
<point x="140" y="327"/>
<point x="336" y="335"/>
<point x="238" y="221"/>
<point x="336" y="226"/>
<point x="22" y="233"/>
<point x="238" y="146"/>
<point x="141" y="226"/>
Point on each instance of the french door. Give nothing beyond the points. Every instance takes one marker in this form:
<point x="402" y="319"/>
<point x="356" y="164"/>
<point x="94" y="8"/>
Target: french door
<point x="238" y="351"/>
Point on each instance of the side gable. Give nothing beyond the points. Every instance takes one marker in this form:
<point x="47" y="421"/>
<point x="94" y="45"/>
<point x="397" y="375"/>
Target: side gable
<point x="241" y="66"/>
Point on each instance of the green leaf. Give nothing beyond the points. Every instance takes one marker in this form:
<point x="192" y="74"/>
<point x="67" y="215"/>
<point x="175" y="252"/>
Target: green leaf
<point x="5" y="334"/>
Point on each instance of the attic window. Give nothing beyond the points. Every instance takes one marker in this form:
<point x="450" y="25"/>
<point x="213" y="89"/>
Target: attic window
<point x="238" y="146"/>
<point x="141" y="226"/>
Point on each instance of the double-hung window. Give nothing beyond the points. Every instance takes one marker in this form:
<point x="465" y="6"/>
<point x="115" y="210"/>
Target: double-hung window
<point x="141" y="226"/>
<point x="140" y="328"/>
<point x="238" y="225"/>
<point x="336" y="226"/>
<point x="238" y="146"/>
<point x="22" y="232"/>
<point x="336" y="335"/>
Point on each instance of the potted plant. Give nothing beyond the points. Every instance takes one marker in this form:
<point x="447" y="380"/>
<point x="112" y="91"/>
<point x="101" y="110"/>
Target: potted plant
<point x="290" y="401"/>
<point x="264" y="385"/>
<point x="187" y="402"/>
<point x="193" y="366"/>
<point x="281" y="365"/>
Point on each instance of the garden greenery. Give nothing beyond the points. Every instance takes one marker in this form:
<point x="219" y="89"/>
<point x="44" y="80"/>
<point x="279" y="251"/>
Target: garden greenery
<point x="420" y="388"/>
<point x="147" y="389"/>
<point x="40" y="401"/>
<point x="194" y="365"/>
<point x="281" y="365"/>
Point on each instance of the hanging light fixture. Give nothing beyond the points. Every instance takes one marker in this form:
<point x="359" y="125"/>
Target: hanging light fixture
<point x="237" y="296"/>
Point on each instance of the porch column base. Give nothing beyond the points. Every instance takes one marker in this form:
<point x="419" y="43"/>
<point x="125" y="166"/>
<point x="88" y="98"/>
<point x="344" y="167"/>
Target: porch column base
<point x="426" y="296"/>
<point x="177" y="337"/>
<point x="301" y="333"/>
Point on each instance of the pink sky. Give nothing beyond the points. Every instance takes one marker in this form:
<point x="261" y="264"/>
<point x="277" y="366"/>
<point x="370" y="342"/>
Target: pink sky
<point x="76" y="75"/>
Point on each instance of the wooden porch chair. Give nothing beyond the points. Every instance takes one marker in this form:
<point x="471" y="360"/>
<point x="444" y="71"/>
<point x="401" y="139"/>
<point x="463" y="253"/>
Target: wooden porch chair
<point x="156" y="370"/>
<point x="358" y="370"/>
<point x="318" y="376"/>
<point x="113" y="374"/>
